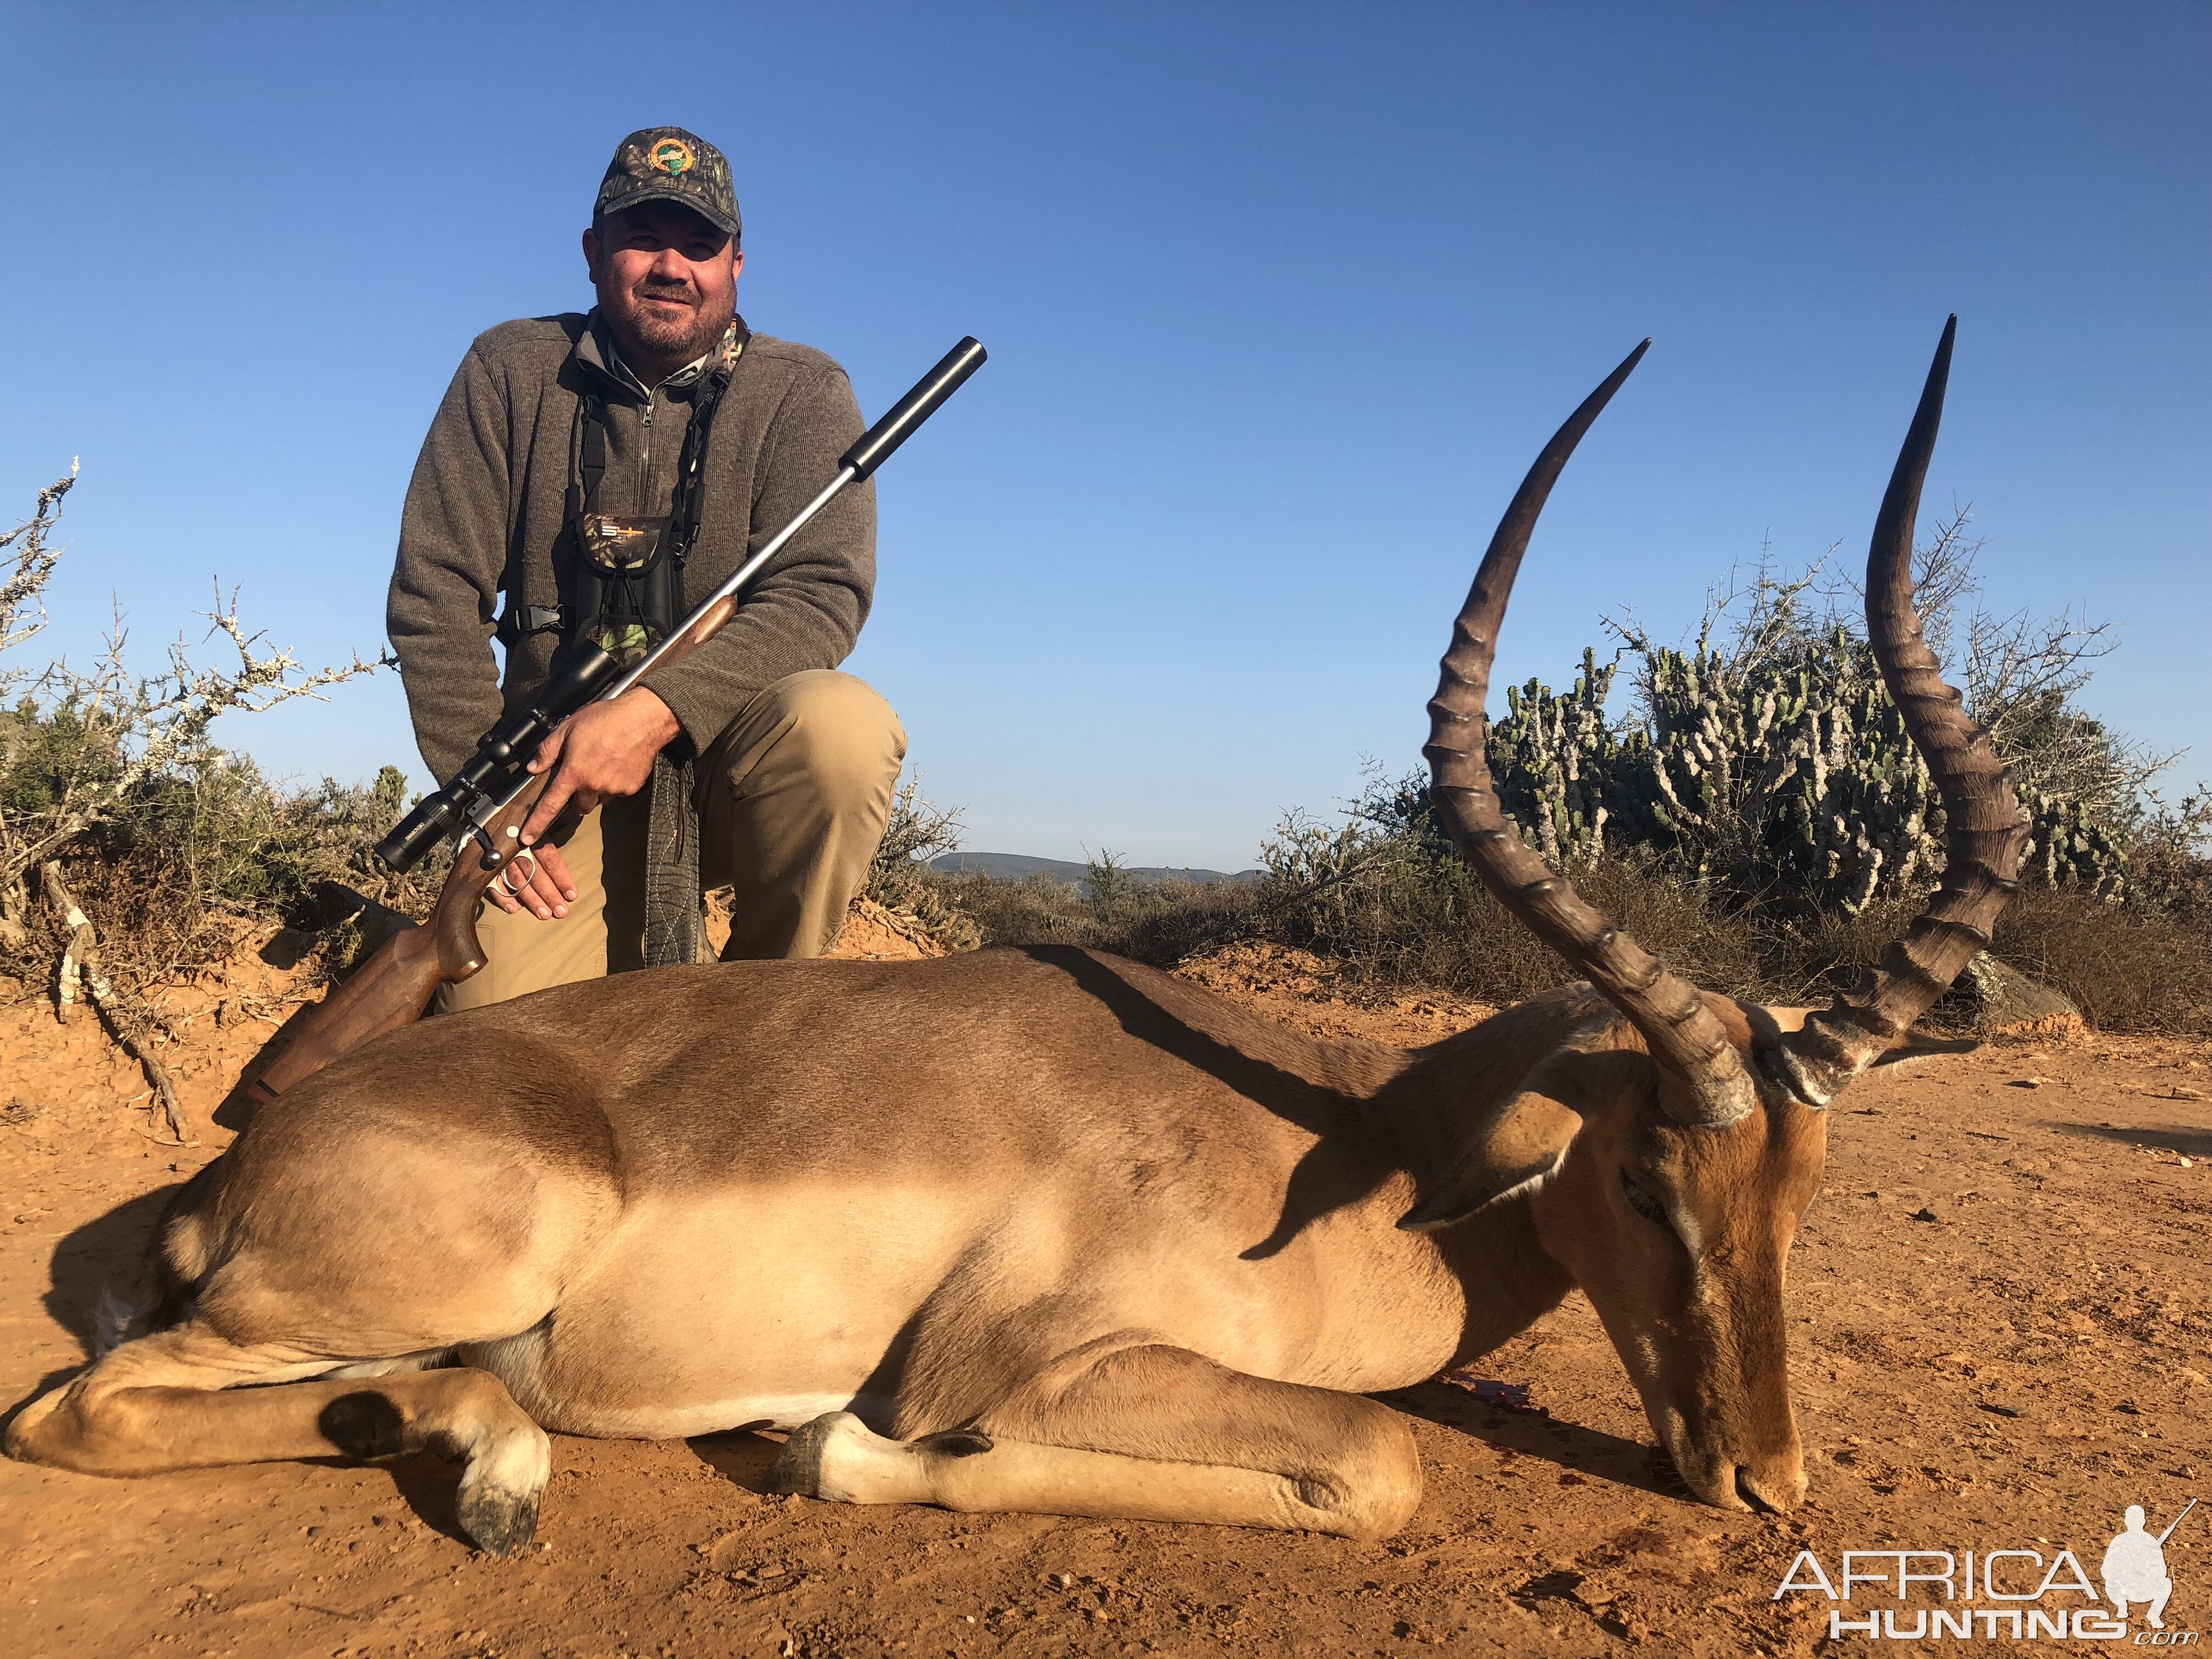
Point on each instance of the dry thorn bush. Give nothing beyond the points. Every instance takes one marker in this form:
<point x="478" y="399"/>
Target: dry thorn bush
<point x="112" y="792"/>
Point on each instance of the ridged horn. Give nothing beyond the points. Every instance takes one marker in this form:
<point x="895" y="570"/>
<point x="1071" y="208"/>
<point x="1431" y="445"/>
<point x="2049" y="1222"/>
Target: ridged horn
<point x="1984" y="829"/>
<point x="1704" y="1077"/>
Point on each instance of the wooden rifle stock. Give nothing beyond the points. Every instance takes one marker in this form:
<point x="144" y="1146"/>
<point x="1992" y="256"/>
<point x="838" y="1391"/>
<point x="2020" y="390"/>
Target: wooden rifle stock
<point x="396" y="984"/>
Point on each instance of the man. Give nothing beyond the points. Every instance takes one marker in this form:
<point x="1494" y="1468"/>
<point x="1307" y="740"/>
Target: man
<point x="588" y="467"/>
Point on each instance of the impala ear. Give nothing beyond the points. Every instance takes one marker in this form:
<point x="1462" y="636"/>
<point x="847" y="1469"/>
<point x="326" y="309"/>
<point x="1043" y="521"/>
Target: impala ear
<point x="1521" y="1140"/>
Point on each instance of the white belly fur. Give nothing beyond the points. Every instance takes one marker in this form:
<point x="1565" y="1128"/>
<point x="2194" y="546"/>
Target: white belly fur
<point x="768" y="1410"/>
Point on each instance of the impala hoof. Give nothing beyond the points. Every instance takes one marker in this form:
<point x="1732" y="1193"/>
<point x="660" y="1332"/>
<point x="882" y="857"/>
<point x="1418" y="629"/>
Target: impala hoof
<point x="797" y="1472"/>
<point x="498" y="1522"/>
<point x="499" y="1489"/>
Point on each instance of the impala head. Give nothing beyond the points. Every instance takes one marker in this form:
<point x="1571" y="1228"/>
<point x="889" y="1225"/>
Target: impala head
<point x="1671" y="1147"/>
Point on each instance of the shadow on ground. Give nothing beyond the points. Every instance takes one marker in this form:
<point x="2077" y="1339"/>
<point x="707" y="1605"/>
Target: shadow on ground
<point x="2190" y="1143"/>
<point x="108" y="1251"/>
<point x="741" y="1457"/>
<point x="1581" y="1454"/>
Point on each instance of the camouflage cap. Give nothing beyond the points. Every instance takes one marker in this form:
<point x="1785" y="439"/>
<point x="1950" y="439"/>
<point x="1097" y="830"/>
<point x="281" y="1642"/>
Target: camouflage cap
<point x="667" y="164"/>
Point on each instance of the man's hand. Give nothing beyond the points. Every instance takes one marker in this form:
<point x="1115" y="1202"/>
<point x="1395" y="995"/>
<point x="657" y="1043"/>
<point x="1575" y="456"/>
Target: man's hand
<point x="604" y="748"/>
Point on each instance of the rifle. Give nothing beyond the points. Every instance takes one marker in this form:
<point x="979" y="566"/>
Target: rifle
<point x="2176" y="1522"/>
<point x="488" y="800"/>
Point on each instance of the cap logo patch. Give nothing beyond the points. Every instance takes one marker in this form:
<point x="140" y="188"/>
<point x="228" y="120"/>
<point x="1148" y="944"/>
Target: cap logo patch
<point x="672" y="156"/>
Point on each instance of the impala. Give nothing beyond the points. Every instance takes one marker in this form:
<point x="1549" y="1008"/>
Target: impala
<point x="1040" y="1229"/>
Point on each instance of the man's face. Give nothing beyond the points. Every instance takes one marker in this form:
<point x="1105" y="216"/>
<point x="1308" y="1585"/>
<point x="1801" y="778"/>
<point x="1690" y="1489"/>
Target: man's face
<point x="667" y="281"/>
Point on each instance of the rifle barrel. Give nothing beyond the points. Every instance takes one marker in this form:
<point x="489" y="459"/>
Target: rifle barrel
<point x="874" y="448"/>
<point x="743" y="574"/>
<point x="2176" y="1522"/>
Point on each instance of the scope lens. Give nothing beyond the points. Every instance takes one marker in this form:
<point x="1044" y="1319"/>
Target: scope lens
<point x="418" y="832"/>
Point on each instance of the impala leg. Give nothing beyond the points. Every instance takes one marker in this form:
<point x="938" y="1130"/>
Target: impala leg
<point x="175" y="1400"/>
<point x="1142" y="1432"/>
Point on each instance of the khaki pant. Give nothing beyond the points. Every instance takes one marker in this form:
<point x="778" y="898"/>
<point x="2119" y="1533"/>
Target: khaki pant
<point x="793" y="800"/>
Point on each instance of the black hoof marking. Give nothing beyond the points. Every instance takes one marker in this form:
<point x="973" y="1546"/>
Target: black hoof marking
<point x="955" y="1443"/>
<point x="501" y="1522"/>
<point x="364" y="1424"/>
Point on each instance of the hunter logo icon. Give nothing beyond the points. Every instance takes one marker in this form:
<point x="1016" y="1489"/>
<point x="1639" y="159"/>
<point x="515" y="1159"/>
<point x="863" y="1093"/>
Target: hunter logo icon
<point x="673" y="157"/>
<point x="2134" y="1568"/>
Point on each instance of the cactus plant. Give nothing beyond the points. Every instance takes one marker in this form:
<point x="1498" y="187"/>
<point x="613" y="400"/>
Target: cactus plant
<point x="1782" y="770"/>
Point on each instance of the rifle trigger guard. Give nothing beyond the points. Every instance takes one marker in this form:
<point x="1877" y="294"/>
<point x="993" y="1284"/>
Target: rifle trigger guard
<point x="520" y="870"/>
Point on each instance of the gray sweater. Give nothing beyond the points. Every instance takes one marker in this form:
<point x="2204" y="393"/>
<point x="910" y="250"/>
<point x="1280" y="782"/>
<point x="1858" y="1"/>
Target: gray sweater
<point x="484" y="512"/>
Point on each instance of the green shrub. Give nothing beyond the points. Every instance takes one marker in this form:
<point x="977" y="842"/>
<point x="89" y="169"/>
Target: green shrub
<point x="1769" y="756"/>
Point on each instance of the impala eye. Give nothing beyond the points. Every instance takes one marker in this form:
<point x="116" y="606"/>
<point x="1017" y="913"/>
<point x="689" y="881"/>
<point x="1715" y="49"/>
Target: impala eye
<point x="1644" y="1204"/>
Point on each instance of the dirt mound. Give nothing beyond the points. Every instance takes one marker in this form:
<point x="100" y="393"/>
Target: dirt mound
<point x="2002" y="1338"/>
<point x="871" y="933"/>
<point x="874" y="934"/>
<point x="1310" y="993"/>
<point x="217" y="1022"/>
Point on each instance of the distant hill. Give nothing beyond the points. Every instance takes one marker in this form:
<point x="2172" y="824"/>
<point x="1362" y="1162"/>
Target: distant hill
<point x="1070" y="874"/>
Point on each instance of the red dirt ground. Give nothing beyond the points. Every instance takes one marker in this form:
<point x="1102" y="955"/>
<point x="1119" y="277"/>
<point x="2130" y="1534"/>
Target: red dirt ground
<point x="2002" y="1338"/>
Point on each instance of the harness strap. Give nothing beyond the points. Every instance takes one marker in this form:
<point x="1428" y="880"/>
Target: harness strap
<point x="593" y="463"/>
<point x="690" y="493"/>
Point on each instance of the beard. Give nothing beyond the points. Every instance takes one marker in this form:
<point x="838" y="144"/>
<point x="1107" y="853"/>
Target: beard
<point x="672" y="333"/>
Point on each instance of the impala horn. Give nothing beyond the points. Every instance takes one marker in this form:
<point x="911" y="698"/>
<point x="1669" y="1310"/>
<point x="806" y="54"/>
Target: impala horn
<point x="1704" y="1078"/>
<point x="1984" y="828"/>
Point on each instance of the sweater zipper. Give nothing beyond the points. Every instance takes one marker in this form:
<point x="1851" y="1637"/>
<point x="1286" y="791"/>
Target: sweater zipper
<point x="645" y="462"/>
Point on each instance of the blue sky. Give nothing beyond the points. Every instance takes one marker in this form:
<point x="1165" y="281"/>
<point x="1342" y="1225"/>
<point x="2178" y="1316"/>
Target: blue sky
<point x="1280" y="301"/>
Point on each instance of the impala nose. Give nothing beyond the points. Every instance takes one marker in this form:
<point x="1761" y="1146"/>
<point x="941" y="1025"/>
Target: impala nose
<point x="1775" y="1486"/>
